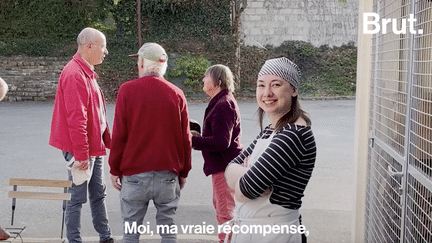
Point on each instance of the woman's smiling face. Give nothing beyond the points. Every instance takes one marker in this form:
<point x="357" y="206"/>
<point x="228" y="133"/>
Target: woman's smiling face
<point x="274" y="96"/>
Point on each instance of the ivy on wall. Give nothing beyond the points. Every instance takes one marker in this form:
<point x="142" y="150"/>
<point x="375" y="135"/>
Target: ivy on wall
<point x="174" y="19"/>
<point x="50" y="18"/>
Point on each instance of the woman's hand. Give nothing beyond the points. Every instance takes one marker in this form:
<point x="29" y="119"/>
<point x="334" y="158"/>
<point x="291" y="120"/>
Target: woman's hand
<point x="233" y="173"/>
<point x="246" y="162"/>
<point x="266" y="192"/>
<point x="195" y="133"/>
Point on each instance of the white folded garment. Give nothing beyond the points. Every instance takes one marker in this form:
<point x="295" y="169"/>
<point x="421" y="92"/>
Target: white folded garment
<point x="79" y="176"/>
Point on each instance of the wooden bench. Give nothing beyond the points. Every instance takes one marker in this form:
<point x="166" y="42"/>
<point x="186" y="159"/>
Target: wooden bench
<point x="22" y="194"/>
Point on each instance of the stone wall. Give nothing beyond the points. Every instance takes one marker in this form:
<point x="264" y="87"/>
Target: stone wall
<point x="31" y="78"/>
<point x="316" y="21"/>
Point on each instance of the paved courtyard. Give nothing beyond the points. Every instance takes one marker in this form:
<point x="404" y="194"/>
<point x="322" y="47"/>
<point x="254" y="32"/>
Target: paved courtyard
<point x="327" y="206"/>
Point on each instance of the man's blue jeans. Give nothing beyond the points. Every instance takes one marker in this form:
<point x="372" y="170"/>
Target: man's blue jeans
<point x="96" y="189"/>
<point x="137" y="190"/>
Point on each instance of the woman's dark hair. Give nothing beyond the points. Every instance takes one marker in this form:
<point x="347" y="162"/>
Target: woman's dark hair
<point x="294" y="113"/>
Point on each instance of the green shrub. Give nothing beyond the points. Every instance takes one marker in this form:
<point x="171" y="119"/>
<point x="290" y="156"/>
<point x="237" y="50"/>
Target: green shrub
<point x="193" y="67"/>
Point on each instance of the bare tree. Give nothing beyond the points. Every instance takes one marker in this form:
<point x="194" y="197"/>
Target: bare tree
<point x="238" y="6"/>
<point x="139" y="20"/>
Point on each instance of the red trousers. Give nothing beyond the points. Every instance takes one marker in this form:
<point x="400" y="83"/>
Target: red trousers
<point x="223" y="200"/>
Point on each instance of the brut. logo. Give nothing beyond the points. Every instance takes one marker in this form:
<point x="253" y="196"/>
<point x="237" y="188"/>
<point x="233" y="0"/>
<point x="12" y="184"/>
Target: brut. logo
<point x="383" y="26"/>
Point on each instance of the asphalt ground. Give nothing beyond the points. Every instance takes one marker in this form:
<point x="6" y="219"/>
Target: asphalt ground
<point x="327" y="208"/>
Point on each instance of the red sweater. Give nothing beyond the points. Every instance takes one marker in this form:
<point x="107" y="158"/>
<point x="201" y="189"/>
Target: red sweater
<point x="151" y="129"/>
<point x="76" y="120"/>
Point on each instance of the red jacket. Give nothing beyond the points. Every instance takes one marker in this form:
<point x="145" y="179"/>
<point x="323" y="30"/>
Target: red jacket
<point x="76" y="120"/>
<point x="151" y="129"/>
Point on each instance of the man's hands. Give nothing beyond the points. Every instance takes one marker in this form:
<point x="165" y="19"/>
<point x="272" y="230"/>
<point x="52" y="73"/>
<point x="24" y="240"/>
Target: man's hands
<point x="82" y="165"/>
<point x="182" y="182"/>
<point x="116" y="182"/>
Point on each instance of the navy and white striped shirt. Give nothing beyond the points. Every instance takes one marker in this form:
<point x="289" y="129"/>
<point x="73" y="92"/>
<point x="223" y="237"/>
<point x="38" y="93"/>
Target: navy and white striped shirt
<point x="286" y="166"/>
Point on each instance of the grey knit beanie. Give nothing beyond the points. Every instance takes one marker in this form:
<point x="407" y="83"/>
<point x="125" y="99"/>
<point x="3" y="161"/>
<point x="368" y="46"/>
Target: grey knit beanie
<point x="283" y="68"/>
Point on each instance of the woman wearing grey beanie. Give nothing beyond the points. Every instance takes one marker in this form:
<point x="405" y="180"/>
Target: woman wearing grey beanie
<point x="270" y="176"/>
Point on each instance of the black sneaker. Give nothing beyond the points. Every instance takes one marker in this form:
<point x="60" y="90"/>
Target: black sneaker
<point x="110" y="240"/>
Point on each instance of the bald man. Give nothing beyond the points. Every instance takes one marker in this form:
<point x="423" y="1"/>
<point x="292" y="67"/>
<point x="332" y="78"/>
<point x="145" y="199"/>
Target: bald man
<point x="3" y="88"/>
<point x="79" y="129"/>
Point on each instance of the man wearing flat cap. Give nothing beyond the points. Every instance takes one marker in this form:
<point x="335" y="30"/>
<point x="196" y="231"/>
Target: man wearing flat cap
<point x="151" y="144"/>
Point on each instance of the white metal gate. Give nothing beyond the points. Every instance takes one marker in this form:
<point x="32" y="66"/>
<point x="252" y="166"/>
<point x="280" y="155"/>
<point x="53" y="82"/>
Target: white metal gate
<point x="399" y="183"/>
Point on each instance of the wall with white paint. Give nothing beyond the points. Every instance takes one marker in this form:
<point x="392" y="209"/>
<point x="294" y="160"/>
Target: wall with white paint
<point x="316" y="21"/>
